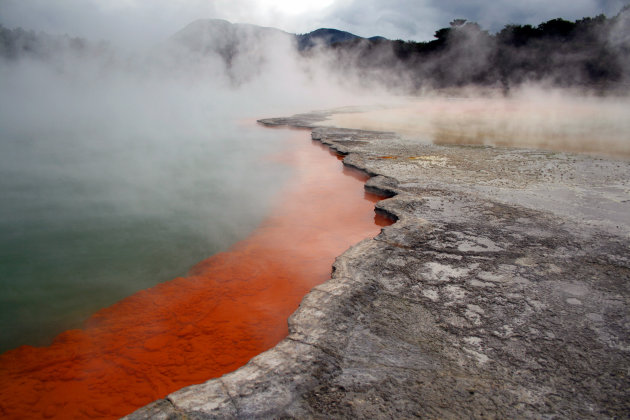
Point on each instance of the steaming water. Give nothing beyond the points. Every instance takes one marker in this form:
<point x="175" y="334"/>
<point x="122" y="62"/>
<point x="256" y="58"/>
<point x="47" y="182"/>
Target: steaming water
<point x="530" y="118"/>
<point x="98" y="204"/>
<point x="119" y="172"/>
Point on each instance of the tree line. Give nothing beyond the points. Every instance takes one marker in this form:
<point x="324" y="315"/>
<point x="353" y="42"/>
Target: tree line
<point x="592" y="52"/>
<point x="589" y="52"/>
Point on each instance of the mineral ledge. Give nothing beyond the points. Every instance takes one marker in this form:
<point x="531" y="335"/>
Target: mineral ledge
<point x="502" y="291"/>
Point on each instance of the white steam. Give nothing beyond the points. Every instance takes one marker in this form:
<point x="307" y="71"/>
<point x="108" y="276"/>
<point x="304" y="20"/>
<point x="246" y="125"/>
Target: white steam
<point x="532" y="116"/>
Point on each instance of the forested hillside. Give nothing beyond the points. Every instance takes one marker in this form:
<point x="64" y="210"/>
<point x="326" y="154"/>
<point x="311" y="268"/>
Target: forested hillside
<point x="590" y="52"/>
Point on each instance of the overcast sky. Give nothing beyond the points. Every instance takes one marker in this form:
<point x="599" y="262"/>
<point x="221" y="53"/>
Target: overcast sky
<point x="142" y="22"/>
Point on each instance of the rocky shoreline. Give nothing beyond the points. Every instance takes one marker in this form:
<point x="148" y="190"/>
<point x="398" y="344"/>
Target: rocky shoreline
<point x="502" y="291"/>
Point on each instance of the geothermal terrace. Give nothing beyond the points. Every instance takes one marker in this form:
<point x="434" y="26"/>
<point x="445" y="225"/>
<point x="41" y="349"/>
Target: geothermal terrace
<point x="501" y="291"/>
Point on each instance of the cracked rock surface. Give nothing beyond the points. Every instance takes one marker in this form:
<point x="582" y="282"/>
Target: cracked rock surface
<point x="502" y="291"/>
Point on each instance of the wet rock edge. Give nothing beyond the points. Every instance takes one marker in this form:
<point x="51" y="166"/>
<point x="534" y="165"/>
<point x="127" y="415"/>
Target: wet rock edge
<point x="471" y="305"/>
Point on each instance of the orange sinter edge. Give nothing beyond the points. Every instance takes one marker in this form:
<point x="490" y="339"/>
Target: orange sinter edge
<point x="231" y="307"/>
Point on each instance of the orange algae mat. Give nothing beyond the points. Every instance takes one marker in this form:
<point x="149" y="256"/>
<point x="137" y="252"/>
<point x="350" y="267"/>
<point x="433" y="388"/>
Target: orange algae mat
<point x="231" y="307"/>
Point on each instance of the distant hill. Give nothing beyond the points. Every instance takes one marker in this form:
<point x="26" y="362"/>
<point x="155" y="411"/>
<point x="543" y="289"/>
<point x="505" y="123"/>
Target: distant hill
<point x="592" y="52"/>
<point x="217" y="35"/>
<point x="589" y="52"/>
<point x="225" y="38"/>
<point x="242" y="49"/>
<point x="203" y="36"/>
<point x="324" y="37"/>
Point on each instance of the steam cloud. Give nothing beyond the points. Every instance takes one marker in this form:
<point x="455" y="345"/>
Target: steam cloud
<point x="90" y="132"/>
<point x="64" y="93"/>
<point x="531" y="117"/>
<point x="119" y="170"/>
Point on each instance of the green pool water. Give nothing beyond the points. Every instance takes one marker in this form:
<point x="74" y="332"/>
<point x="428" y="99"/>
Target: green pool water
<point x="90" y="213"/>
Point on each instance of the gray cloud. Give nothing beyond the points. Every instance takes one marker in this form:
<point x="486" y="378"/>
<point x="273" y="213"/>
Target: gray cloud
<point x="418" y="19"/>
<point x="142" y="22"/>
<point x="394" y="19"/>
<point x="493" y="15"/>
<point x="131" y="22"/>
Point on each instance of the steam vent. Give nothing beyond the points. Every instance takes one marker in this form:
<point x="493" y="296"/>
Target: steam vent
<point x="501" y="291"/>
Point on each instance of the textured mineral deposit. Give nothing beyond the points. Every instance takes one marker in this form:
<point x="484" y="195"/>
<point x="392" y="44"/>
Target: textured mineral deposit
<point x="502" y="291"/>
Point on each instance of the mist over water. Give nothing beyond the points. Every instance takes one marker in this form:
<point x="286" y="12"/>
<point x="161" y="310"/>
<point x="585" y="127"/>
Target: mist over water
<point x="118" y="174"/>
<point x="119" y="171"/>
<point x="530" y="117"/>
<point x="101" y="198"/>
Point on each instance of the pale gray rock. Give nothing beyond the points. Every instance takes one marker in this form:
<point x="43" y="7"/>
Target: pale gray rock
<point x="502" y="291"/>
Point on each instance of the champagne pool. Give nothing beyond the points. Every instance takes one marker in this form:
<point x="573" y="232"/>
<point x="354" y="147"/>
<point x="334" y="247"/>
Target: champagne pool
<point x="229" y="308"/>
<point x="87" y="218"/>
